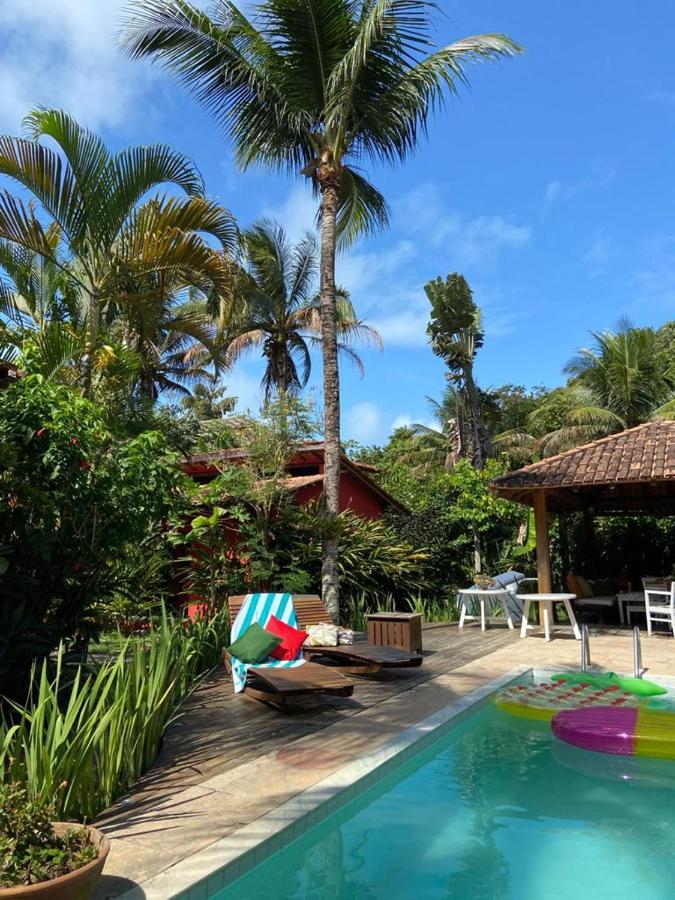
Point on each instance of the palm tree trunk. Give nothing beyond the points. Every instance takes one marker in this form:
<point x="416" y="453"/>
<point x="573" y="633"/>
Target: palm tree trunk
<point x="331" y="392"/>
<point x="93" y="325"/>
<point x="479" y="435"/>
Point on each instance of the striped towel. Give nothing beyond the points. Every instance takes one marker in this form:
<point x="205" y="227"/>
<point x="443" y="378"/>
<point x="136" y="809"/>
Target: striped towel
<point x="260" y="608"/>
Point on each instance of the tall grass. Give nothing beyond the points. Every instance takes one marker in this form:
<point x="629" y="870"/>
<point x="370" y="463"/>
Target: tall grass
<point x="83" y="741"/>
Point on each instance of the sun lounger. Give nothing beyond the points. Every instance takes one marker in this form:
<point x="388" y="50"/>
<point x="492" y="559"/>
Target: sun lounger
<point x="360" y="658"/>
<point x="274" y="681"/>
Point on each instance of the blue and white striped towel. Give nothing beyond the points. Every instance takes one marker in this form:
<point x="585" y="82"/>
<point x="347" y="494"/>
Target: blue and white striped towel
<point x="260" y="608"/>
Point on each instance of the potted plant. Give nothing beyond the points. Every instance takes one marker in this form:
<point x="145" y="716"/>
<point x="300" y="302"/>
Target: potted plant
<point x="44" y="859"/>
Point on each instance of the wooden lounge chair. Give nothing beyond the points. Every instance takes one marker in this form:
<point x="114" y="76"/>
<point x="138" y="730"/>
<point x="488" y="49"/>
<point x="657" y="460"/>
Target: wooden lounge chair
<point x="360" y="658"/>
<point x="275" y="684"/>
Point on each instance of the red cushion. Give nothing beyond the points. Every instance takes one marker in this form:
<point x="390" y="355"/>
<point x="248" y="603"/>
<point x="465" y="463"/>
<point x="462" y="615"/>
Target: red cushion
<point x="292" y="638"/>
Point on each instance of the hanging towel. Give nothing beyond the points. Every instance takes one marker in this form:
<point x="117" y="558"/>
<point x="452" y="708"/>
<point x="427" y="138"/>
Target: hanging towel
<point x="260" y="608"/>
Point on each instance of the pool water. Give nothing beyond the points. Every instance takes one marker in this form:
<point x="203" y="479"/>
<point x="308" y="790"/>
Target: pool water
<point x="491" y="810"/>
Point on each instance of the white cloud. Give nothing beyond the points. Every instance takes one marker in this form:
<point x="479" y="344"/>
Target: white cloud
<point x="600" y="252"/>
<point x="64" y="53"/>
<point x="654" y="281"/>
<point x="297" y="213"/>
<point x="602" y="174"/>
<point x="364" y="422"/>
<point x="403" y="421"/>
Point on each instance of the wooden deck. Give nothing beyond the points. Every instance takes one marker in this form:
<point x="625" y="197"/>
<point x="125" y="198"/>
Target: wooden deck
<point x="218" y="730"/>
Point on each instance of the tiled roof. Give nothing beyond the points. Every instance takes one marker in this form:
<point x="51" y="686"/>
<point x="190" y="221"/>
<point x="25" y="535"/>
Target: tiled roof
<point x="642" y="454"/>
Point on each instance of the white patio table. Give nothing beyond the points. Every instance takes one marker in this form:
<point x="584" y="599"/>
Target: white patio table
<point x="546" y="602"/>
<point x="483" y="595"/>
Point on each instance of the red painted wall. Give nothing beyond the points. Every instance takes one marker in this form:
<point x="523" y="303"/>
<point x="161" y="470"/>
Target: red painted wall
<point x="353" y="495"/>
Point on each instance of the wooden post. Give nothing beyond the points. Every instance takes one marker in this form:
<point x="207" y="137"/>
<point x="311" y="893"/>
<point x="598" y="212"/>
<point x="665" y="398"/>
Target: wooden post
<point x="543" y="542"/>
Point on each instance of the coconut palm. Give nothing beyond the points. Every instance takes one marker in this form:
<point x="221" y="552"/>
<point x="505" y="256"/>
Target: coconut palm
<point x="623" y="379"/>
<point x="317" y="87"/>
<point x="280" y="312"/>
<point x="93" y="201"/>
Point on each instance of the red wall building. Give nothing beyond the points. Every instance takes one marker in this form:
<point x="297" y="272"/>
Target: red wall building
<point x="359" y="492"/>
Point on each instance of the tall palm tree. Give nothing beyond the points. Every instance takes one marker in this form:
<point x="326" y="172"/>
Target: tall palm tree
<point x="94" y="201"/>
<point x="280" y="311"/>
<point x="316" y="87"/>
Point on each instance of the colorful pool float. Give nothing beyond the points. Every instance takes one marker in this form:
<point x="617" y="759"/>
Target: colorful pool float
<point x="638" y="686"/>
<point x="543" y="701"/>
<point x="626" y="731"/>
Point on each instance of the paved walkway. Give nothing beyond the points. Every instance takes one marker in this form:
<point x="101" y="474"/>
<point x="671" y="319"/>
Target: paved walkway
<point x="228" y="760"/>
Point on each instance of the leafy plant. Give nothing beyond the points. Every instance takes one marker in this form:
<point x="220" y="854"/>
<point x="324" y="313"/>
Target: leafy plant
<point x="83" y="739"/>
<point x="30" y="851"/>
<point x="72" y="501"/>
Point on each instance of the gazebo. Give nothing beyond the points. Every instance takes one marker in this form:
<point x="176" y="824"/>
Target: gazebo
<point x="629" y="472"/>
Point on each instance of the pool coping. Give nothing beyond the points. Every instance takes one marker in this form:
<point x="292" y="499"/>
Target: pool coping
<point x="212" y="868"/>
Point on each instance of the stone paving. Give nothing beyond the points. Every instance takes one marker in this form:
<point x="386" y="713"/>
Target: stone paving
<point x="229" y="760"/>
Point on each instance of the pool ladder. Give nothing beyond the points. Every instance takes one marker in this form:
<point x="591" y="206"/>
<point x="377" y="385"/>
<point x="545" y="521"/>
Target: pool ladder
<point x="586" y="651"/>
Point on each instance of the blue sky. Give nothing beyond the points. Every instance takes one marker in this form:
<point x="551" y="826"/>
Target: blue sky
<point x="548" y="183"/>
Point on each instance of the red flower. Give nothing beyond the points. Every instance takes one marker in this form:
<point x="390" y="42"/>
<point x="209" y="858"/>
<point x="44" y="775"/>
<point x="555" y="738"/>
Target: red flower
<point x="41" y="432"/>
<point x="73" y="441"/>
<point x="85" y="464"/>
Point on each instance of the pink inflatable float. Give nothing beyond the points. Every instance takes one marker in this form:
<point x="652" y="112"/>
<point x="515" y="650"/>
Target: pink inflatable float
<point x="618" y="729"/>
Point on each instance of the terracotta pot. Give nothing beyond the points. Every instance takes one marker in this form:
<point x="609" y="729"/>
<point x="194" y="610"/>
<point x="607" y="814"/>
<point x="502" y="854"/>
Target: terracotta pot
<point x="77" y="885"/>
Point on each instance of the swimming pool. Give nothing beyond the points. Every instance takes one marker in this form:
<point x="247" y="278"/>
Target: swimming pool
<point x="486" y="812"/>
<point x="491" y="808"/>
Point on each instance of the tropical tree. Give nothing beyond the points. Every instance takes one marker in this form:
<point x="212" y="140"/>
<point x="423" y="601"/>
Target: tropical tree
<point x="316" y="87"/>
<point x="279" y="312"/>
<point x="100" y="232"/>
<point x="456" y="335"/>
<point x="624" y="378"/>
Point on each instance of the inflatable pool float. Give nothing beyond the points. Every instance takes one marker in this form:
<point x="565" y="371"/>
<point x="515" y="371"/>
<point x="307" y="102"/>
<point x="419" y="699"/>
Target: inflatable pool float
<point x="625" y="731"/>
<point x="638" y="686"/>
<point x="543" y="701"/>
<point x="649" y="773"/>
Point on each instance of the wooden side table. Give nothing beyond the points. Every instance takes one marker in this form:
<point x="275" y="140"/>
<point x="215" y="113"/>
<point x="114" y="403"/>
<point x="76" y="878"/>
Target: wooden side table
<point x="396" y="629"/>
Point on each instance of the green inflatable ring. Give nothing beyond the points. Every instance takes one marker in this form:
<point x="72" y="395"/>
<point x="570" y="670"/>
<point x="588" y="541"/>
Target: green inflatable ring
<point x="637" y="686"/>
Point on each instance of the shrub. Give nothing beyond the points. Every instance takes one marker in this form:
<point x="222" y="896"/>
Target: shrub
<point x="373" y="561"/>
<point x="84" y="740"/>
<point x="72" y="501"/>
<point x="30" y="851"/>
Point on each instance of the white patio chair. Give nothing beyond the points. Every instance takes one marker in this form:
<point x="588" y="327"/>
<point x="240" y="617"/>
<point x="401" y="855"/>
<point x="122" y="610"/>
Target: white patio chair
<point x="660" y="606"/>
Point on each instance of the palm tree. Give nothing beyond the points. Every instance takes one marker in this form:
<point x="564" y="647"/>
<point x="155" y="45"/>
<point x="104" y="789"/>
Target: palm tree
<point x="317" y="88"/>
<point x="280" y="311"/>
<point x="623" y="379"/>
<point x="92" y="201"/>
<point x="624" y="373"/>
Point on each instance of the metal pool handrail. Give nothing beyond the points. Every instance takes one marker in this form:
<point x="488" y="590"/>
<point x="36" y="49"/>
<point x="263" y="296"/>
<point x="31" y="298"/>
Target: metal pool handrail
<point x="585" y="649"/>
<point x="637" y="653"/>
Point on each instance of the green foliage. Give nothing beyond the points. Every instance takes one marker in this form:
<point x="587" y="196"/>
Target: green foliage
<point x="72" y="501"/>
<point x="85" y="738"/>
<point x="453" y="507"/>
<point x="318" y="89"/>
<point x="454" y="325"/>
<point x="373" y="560"/>
<point x="30" y="851"/>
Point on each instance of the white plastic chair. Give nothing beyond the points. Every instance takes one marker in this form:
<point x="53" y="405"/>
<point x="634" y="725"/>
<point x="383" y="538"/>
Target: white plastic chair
<point x="661" y="608"/>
